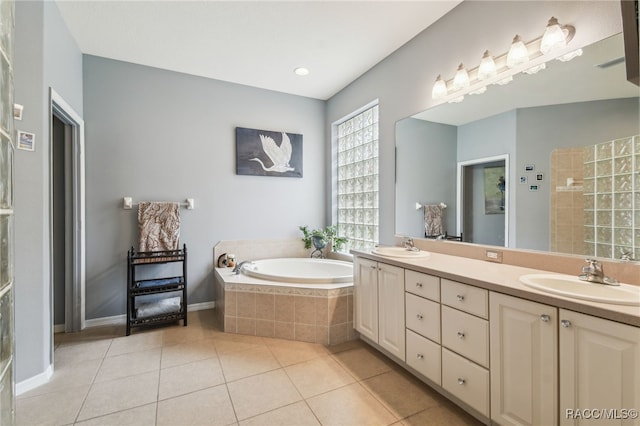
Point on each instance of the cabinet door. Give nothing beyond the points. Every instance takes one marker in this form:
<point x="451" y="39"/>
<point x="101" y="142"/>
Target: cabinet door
<point x="599" y="368"/>
<point x="365" y="297"/>
<point x="524" y="361"/>
<point x="391" y="309"/>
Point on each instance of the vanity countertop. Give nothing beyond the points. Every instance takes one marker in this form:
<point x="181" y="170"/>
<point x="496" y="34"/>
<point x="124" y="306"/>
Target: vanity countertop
<point x="504" y="278"/>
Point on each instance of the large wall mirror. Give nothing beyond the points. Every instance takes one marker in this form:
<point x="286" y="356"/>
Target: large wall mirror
<point x="570" y="136"/>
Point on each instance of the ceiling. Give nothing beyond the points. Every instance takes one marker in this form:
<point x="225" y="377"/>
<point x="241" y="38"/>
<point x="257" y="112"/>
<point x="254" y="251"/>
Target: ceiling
<point x="254" y="43"/>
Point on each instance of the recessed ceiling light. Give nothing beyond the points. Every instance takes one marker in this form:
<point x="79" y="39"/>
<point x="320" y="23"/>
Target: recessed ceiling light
<point x="301" y="71"/>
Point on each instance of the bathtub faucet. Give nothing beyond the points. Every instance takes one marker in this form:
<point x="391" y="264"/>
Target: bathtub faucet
<point x="239" y="266"/>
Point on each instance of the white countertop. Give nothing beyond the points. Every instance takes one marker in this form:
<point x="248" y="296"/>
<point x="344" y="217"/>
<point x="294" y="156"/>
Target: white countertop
<point x="504" y="278"/>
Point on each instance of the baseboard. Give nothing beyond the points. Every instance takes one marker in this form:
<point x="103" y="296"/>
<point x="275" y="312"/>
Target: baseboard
<point x="34" y="382"/>
<point x="122" y="319"/>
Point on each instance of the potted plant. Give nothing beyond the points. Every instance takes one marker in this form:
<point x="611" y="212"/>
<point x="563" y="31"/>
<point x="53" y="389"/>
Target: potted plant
<point x="320" y="237"/>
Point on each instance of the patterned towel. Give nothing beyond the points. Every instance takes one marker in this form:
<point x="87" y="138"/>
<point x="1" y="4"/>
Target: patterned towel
<point x="158" y="226"/>
<point x="433" y="220"/>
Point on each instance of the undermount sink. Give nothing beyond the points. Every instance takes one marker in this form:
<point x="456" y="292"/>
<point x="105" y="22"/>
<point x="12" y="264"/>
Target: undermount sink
<point x="399" y="252"/>
<point x="568" y="286"/>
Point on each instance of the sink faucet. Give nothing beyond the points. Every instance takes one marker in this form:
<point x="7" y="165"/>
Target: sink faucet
<point x="594" y="273"/>
<point x="407" y="243"/>
<point x="627" y="256"/>
<point x="239" y="266"/>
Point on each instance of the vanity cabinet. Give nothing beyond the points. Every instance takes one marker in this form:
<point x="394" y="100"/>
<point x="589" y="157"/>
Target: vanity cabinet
<point x="524" y="361"/>
<point x="379" y="304"/>
<point x="599" y="367"/>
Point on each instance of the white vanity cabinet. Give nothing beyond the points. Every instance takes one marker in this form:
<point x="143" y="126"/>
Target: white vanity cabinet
<point x="599" y="368"/>
<point x="524" y="361"/>
<point x="379" y="304"/>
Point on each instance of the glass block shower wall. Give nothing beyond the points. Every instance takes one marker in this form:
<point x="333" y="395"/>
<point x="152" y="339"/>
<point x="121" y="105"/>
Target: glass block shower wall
<point x="612" y="198"/>
<point x="6" y="213"/>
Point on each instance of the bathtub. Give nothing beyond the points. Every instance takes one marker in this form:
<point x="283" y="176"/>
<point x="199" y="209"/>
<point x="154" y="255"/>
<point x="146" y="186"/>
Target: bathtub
<point x="300" y="270"/>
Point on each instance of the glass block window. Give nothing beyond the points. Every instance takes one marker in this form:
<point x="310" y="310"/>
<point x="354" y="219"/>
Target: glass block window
<point x="357" y="179"/>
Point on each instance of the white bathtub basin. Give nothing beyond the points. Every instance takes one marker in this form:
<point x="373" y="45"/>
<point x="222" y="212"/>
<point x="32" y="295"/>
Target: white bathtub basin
<point x="569" y="286"/>
<point x="300" y="270"/>
<point x="399" y="252"/>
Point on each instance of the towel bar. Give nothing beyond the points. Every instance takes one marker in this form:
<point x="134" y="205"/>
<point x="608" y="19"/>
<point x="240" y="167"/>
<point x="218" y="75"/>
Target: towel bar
<point x="127" y="203"/>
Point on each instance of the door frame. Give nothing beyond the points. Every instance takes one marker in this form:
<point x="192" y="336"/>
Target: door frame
<point x="74" y="288"/>
<point x="460" y="191"/>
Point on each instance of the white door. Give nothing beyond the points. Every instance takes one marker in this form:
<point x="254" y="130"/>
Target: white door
<point x="524" y="361"/>
<point x="599" y="369"/>
<point x="391" y="309"/>
<point x="365" y="297"/>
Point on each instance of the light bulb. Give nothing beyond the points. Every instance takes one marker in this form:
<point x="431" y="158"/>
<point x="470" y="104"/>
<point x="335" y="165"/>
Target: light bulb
<point x="518" y="53"/>
<point x="487" y="68"/>
<point x="439" y="89"/>
<point x="554" y="38"/>
<point x="461" y="79"/>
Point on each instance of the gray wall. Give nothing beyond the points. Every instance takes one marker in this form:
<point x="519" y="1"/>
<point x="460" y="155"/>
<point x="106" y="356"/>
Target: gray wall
<point x="402" y="82"/>
<point x="163" y="136"/>
<point x="45" y="56"/>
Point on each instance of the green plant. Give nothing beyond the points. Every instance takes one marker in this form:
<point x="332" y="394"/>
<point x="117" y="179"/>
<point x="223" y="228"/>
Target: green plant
<point x="328" y="235"/>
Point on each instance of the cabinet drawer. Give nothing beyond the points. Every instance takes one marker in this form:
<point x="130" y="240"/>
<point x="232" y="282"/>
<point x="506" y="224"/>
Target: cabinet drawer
<point x="466" y="334"/>
<point x="422" y="284"/>
<point x="424" y="356"/>
<point x="423" y="316"/>
<point x="466" y="380"/>
<point x="465" y="297"/>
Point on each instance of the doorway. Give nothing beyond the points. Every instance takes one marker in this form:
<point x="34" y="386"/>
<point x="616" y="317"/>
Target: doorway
<point x="483" y="200"/>
<point x="67" y="206"/>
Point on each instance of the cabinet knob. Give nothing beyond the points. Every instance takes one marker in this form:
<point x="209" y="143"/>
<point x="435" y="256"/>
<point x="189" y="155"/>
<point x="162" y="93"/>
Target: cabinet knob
<point x="419" y="316"/>
<point x="420" y="356"/>
<point x="461" y="381"/>
<point x="460" y="334"/>
<point x="545" y="318"/>
<point x="460" y="297"/>
<point x="565" y="323"/>
<point x="419" y="285"/>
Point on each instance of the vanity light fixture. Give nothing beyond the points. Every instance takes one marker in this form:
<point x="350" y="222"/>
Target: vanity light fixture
<point x="528" y="58"/>
<point x="301" y="71"/>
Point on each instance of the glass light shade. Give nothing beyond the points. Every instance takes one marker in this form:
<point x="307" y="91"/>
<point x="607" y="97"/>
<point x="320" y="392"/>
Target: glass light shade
<point x="554" y="38"/>
<point x="487" y="68"/>
<point x="518" y="53"/>
<point x="439" y="88"/>
<point x="461" y="79"/>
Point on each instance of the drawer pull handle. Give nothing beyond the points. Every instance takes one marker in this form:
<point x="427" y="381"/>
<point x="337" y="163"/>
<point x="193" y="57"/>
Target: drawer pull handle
<point x="419" y="356"/>
<point x="419" y="316"/>
<point x="545" y="318"/>
<point x="565" y="323"/>
<point x="460" y="297"/>
<point x="419" y="285"/>
<point x="460" y="334"/>
<point x="461" y="381"/>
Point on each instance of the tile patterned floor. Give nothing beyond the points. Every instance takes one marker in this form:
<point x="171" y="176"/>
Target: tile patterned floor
<point x="199" y="375"/>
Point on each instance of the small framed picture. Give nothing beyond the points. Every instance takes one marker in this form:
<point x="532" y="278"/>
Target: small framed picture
<point x="539" y="176"/>
<point x="26" y="141"/>
<point x="533" y="187"/>
<point x="17" y="111"/>
<point x="528" y="168"/>
<point x="523" y="179"/>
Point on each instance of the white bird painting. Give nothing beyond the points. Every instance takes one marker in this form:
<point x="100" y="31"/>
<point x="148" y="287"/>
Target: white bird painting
<point x="280" y="156"/>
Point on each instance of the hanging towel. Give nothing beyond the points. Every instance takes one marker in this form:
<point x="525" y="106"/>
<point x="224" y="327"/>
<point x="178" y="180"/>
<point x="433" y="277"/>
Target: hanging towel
<point x="158" y="226"/>
<point x="434" y="220"/>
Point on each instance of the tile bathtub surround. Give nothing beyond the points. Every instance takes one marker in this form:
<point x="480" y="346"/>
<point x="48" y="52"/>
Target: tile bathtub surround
<point x="206" y="377"/>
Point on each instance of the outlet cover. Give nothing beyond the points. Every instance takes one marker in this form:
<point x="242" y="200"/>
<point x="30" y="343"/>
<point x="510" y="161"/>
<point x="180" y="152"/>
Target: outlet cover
<point x="493" y="256"/>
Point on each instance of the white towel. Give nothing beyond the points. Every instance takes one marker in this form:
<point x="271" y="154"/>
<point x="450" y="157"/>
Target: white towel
<point x="159" y="307"/>
<point x="158" y="226"/>
<point x="434" y="220"/>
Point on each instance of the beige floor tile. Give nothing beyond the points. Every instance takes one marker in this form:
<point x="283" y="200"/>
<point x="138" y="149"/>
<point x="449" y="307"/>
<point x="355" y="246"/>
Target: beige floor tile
<point x="402" y="395"/>
<point x="139" y="416"/>
<point x="120" y="394"/>
<point x="72" y="353"/>
<point x="184" y="353"/>
<point x="447" y="414"/>
<point x="297" y="414"/>
<point x="81" y="373"/>
<point x="237" y="365"/>
<point x="141" y="341"/>
<point x="181" y="334"/>
<point x="289" y="352"/>
<point x="191" y="377"/>
<point x="237" y="343"/>
<point x="350" y="405"/>
<point x="210" y="406"/>
<point x="129" y="364"/>
<point x="262" y="393"/>
<point x="57" y="408"/>
<point x="363" y="362"/>
<point x="318" y="376"/>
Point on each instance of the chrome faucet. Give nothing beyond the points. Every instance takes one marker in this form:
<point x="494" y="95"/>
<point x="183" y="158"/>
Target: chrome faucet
<point x="627" y="256"/>
<point x="594" y="273"/>
<point x="407" y="243"/>
<point x="239" y="266"/>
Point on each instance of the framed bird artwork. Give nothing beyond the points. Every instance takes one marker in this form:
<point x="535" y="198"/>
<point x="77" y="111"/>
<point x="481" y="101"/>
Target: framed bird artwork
<point x="268" y="153"/>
